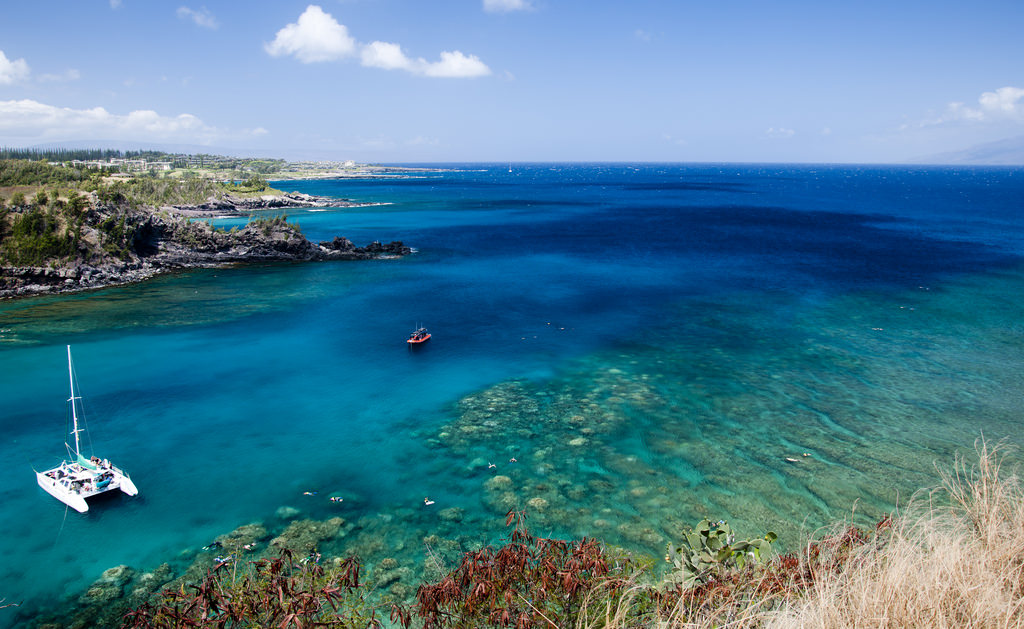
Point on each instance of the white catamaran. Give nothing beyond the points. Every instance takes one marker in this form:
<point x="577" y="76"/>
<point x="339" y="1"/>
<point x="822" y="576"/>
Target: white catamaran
<point x="73" y="481"/>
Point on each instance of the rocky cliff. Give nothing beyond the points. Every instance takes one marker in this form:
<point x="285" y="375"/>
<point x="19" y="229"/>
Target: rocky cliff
<point x="117" y="245"/>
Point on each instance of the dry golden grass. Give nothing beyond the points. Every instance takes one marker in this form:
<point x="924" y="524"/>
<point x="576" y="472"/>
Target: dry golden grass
<point x="954" y="558"/>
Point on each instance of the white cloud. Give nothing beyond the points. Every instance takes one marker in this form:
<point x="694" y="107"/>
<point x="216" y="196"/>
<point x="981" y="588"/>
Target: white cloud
<point x="384" y="55"/>
<point x="315" y="37"/>
<point x="34" y="121"/>
<point x="456" y="65"/>
<point x="1003" y="101"/>
<point x="506" y="6"/>
<point x="452" y="64"/>
<point x="643" y="35"/>
<point x="258" y="131"/>
<point x="781" y="132"/>
<point x="202" y="17"/>
<point x="1002" y="105"/>
<point x="115" y="4"/>
<point x="12" y="71"/>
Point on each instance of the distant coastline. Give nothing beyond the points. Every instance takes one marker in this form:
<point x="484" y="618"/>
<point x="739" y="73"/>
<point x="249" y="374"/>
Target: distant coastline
<point x="363" y="172"/>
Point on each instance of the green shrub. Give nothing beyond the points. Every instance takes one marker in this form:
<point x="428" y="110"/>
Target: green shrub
<point x="267" y="225"/>
<point x="24" y="172"/>
<point x="117" y="236"/>
<point x="77" y="205"/>
<point x="36" y="238"/>
<point x="709" y="549"/>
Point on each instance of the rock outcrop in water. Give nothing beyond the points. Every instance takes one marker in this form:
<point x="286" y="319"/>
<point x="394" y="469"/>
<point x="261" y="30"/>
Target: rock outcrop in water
<point x="116" y="245"/>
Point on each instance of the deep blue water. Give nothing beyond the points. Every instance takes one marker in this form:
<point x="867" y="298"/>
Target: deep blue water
<point x="650" y="342"/>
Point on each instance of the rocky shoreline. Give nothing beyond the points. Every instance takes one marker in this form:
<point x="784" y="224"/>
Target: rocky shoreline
<point x="151" y="241"/>
<point x="232" y="205"/>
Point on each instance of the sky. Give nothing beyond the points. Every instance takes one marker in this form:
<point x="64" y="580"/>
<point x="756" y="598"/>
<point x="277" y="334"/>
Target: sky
<point x="410" y="81"/>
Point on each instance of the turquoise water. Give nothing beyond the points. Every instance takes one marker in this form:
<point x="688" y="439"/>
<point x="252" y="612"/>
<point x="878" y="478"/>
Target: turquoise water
<point x="651" y="343"/>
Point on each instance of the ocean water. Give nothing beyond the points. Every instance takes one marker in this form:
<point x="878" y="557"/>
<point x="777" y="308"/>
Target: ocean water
<point x="779" y="346"/>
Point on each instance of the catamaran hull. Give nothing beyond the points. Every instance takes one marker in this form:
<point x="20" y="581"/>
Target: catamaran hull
<point x="76" y="500"/>
<point x="126" y="485"/>
<point x="51" y="487"/>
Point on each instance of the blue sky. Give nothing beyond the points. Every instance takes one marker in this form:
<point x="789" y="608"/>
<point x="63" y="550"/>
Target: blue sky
<point x="517" y="80"/>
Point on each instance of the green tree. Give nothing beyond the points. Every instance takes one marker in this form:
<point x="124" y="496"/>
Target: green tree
<point x="37" y="238"/>
<point x="77" y="205"/>
<point x="254" y="183"/>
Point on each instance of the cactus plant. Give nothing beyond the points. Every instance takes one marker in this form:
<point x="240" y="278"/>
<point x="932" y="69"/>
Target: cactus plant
<point x="709" y="548"/>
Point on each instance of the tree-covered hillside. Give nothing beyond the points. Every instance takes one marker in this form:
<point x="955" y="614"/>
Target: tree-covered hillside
<point x="44" y="208"/>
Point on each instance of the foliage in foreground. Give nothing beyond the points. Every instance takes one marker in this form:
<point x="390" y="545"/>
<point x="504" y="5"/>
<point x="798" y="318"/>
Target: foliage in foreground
<point x="711" y="548"/>
<point x="953" y="558"/>
<point x="280" y="592"/>
<point x="529" y="582"/>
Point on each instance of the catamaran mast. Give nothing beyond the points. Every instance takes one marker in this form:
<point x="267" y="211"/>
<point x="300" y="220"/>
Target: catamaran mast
<point x="74" y="413"/>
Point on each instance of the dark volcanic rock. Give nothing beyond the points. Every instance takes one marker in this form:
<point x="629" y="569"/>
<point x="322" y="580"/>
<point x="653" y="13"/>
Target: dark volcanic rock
<point x="343" y="249"/>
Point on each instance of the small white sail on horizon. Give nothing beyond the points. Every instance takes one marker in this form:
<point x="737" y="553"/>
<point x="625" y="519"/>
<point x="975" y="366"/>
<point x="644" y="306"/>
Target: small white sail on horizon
<point x="79" y="478"/>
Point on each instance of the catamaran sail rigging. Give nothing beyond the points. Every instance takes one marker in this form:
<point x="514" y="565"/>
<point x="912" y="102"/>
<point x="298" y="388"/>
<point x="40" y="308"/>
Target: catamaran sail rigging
<point x="79" y="478"/>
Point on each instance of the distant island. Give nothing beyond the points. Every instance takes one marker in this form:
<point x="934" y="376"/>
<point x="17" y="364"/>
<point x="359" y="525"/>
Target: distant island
<point x="80" y="219"/>
<point x="1006" y="152"/>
